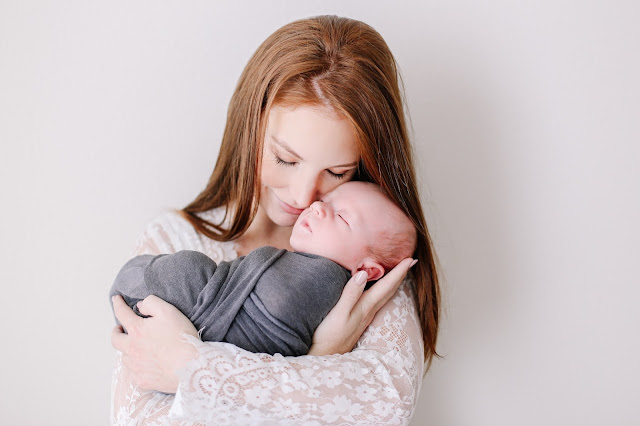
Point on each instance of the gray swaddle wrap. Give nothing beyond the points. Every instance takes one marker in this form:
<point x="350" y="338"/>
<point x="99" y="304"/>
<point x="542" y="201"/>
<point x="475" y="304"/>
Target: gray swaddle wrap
<point x="269" y="301"/>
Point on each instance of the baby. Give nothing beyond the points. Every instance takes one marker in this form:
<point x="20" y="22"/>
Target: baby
<point x="272" y="300"/>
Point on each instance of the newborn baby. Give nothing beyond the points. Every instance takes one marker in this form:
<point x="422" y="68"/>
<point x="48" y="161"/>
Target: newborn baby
<point x="272" y="300"/>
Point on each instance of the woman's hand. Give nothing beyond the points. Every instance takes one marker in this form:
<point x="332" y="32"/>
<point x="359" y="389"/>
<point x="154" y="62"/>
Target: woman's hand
<point x="154" y="348"/>
<point x="339" y="332"/>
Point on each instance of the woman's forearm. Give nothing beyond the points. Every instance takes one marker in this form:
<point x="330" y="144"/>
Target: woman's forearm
<point x="378" y="381"/>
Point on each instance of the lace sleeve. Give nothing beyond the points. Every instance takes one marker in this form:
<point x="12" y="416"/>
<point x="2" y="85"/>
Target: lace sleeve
<point x="378" y="382"/>
<point x="130" y="404"/>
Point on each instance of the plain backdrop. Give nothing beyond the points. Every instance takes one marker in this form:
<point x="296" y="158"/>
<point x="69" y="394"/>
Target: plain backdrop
<point x="525" y="124"/>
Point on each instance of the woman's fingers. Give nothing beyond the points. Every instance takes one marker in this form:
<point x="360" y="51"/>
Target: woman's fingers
<point x="124" y="313"/>
<point x="119" y="340"/>
<point x="386" y="287"/>
<point x="152" y="306"/>
<point x="377" y="295"/>
<point x="340" y="330"/>
<point x="351" y="293"/>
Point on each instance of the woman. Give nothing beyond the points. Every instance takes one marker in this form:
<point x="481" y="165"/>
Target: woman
<point x="317" y="105"/>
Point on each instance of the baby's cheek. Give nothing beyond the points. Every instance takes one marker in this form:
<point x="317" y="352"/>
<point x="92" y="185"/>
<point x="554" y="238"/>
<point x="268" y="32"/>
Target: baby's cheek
<point x="299" y="240"/>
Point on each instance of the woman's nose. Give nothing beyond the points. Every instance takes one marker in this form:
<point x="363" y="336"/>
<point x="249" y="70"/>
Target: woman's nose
<point x="305" y="192"/>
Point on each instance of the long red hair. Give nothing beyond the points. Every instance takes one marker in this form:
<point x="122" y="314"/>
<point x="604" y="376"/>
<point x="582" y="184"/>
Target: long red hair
<point x="345" y="65"/>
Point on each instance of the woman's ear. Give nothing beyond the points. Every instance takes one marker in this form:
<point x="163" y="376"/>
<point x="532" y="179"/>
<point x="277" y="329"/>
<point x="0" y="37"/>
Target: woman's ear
<point x="374" y="270"/>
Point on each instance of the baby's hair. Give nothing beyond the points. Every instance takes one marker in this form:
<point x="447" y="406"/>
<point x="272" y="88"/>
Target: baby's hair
<point x="393" y="246"/>
<point x="397" y="241"/>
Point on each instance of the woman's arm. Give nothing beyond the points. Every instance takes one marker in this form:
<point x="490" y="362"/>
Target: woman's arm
<point x="378" y="382"/>
<point x="380" y="379"/>
<point x="132" y="403"/>
<point x="346" y="322"/>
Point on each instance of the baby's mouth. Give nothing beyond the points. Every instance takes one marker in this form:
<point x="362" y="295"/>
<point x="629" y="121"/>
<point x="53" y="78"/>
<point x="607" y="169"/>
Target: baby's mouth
<point x="305" y="224"/>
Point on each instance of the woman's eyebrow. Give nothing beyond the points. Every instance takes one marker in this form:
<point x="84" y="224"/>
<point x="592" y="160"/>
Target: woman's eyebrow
<point x="283" y="145"/>
<point x="352" y="164"/>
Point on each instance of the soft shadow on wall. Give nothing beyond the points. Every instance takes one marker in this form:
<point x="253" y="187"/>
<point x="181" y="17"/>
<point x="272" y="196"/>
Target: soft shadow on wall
<point x="465" y="193"/>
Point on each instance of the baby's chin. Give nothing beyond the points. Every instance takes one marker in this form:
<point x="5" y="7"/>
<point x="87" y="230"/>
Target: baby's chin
<point x="296" y="241"/>
<point x="300" y="236"/>
<point x="303" y="242"/>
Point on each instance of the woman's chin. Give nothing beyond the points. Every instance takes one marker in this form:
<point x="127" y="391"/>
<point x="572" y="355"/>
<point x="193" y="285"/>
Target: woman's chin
<point x="287" y="219"/>
<point x="279" y="217"/>
<point x="284" y="220"/>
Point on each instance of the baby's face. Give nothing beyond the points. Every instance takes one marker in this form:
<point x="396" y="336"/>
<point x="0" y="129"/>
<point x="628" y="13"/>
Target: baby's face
<point x="342" y="225"/>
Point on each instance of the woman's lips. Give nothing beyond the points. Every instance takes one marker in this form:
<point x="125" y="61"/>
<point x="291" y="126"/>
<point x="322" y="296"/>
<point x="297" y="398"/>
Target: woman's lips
<point x="289" y="209"/>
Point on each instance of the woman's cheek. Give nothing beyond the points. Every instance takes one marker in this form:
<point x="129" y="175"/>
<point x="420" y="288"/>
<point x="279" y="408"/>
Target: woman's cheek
<point x="270" y="175"/>
<point x="330" y="184"/>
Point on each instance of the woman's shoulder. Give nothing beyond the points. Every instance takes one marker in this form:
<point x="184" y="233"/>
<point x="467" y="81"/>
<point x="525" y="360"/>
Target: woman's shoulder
<point x="217" y="215"/>
<point x="171" y="232"/>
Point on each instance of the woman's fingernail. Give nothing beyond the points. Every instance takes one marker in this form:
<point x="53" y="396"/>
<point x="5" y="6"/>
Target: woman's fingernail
<point x="413" y="263"/>
<point x="361" y="277"/>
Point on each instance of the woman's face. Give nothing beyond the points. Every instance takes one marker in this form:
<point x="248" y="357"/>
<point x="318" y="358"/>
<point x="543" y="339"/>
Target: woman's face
<point x="308" y="151"/>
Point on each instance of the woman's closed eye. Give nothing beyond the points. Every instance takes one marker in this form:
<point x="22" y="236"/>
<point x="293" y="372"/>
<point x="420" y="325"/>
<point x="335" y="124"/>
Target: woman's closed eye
<point x="284" y="163"/>
<point x="337" y="175"/>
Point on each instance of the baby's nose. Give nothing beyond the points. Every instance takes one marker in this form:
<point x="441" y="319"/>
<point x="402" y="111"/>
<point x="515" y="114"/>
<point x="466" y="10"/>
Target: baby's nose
<point x="319" y="208"/>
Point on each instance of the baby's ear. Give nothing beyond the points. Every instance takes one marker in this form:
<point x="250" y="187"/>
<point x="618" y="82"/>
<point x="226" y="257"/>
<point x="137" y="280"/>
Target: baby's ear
<point x="374" y="270"/>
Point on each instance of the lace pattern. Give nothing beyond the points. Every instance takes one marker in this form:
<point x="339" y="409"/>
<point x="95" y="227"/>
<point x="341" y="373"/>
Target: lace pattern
<point x="377" y="383"/>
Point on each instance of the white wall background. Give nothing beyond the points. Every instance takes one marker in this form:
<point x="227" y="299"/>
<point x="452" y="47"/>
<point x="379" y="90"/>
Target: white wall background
<point x="525" y="117"/>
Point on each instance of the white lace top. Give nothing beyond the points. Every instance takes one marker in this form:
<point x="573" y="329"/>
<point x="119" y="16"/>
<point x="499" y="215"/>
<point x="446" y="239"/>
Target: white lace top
<point x="376" y="383"/>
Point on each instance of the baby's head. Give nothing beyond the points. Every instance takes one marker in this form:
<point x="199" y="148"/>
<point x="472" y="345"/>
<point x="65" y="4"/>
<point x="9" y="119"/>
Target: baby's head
<point x="358" y="227"/>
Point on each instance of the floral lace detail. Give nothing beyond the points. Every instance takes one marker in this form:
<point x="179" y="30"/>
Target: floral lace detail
<point x="377" y="383"/>
<point x="171" y="232"/>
